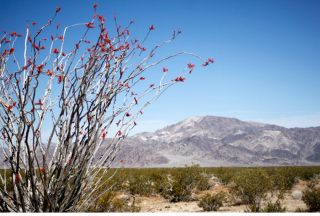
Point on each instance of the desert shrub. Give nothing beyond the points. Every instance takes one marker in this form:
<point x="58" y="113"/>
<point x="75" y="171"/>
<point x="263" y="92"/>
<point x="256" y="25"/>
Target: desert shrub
<point x="161" y="183"/>
<point x="283" y="179"/>
<point x="251" y="186"/>
<point x="274" y="207"/>
<point x="311" y="197"/>
<point x="202" y="181"/>
<point x="212" y="202"/>
<point x="109" y="202"/>
<point x="140" y="184"/>
<point x="181" y="182"/>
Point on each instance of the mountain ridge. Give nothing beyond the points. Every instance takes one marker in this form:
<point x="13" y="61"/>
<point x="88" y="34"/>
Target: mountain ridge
<point x="222" y="141"/>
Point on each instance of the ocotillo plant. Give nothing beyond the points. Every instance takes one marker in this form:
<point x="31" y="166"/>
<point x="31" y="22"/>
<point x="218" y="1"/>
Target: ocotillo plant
<point x="59" y="102"/>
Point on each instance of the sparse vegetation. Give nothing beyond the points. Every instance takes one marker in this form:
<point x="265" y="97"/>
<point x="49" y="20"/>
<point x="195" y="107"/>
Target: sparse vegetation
<point x="253" y="187"/>
<point x="109" y="202"/>
<point x="274" y="207"/>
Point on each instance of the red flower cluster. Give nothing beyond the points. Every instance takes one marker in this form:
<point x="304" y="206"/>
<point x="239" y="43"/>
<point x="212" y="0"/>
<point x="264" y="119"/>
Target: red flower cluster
<point x="58" y="9"/>
<point x="11" y="51"/>
<point x="10" y="107"/>
<point x="39" y="68"/>
<point x="101" y="19"/>
<point x="55" y="51"/>
<point x="151" y="27"/>
<point x="60" y="78"/>
<point x="179" y="79"/>
<point x="210" y="60"/>
<point x="50" y="73"/>
<point x="90" y="25"/>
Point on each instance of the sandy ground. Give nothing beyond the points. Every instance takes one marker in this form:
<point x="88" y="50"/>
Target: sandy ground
<point x="159" y="204"/>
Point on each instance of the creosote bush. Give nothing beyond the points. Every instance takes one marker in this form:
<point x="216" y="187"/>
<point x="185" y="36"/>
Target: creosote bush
<point x="182" y="181"/>
<point x="274" y="207"/>
<point x="311" y="196"/>
<point x="251" y="186"/>
<point x="212" y="202"/>
<point x="109" y="202"/>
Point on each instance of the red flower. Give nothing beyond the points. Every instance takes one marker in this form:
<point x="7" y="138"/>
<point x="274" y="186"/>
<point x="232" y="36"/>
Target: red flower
<point x="60" y="37"/>
<point x="90" y="25"/>
<point x="58" y="9"/>
<point x="211" y="60"/>
<point x="13" y="34"/>
<point x="104" y="135"/>
<point x="142" y="78"/>
<point x="191" y="66"/>
<point x="25" y="67"/>
<point x="10" y="107"/>
<point x="101" y="19"/>
<point x="55" y="51"/>
<point x="119" y="133"/>
<point x="42" y="170"/>
<point x="128" y="114"/>
<point x="60" y="78"/>
<point x="40" y="68"/>
<point x="151" y="27"/>
<point x="50" y="73"/>
<point x="165" y="70"/>
<point x="36" y="46"/>
<point x="95" y="6"/>
<point x="179" y="79"/>
<point x="11" y="51"/>
<point x="33" y="23"/>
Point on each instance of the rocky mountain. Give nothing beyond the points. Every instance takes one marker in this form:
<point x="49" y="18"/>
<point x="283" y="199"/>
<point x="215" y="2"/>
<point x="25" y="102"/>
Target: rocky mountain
<point x="220" y="141"/>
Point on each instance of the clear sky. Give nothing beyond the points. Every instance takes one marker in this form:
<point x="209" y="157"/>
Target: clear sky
<point x="267" y="54"/>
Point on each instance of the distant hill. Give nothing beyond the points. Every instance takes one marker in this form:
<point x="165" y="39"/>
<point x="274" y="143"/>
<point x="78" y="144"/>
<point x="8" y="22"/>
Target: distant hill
<point x="220" y="141"/>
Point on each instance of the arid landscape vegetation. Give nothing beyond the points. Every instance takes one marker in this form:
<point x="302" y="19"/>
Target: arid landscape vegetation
<point x="197" y="189"/>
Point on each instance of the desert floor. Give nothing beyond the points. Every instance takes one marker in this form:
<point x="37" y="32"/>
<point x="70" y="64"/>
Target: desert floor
<point x="159" y="204"/>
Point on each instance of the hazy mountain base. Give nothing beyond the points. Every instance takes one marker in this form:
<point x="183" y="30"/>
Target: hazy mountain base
<point x="220" y="141"/>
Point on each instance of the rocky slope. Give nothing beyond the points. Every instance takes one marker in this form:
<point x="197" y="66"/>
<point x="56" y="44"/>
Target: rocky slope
<point x="220" y="141"/>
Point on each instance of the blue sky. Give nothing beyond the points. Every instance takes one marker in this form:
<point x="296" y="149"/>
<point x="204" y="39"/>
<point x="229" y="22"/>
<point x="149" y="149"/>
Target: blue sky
<point x="267" y="54"/>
